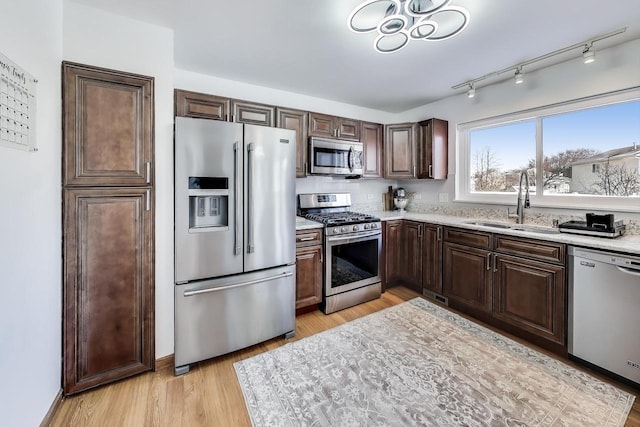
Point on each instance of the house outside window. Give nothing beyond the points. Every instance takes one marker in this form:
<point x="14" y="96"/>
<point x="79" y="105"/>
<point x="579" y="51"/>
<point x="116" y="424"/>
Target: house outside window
<point x="582" y="154"/>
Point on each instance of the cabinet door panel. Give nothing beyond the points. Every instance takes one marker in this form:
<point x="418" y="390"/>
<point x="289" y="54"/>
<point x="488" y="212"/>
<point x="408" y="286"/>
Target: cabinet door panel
<point x="348" y="129"/>
<point x="108" y="127"/>
<point x="308" y="276"/>
<point x="432" y="160"/>
<point x="253" y="114"/>
<point x="398" y="151"/>
<point x="296" y="120"/>
<point x="412" y="251"/>
<point x="322" y="125"/>
<point x="108" y="291"/>
<point x="371" y="138"/>
<point x="432" y="258"/>
<point x="530" y="295"/>
<point x="467" y="276"/>
<point x="391" y="242"/>
<point x="201" y="105"/>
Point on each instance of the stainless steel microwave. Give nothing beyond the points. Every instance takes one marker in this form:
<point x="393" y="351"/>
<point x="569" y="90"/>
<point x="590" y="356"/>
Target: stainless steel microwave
<point x="335" y="157"/>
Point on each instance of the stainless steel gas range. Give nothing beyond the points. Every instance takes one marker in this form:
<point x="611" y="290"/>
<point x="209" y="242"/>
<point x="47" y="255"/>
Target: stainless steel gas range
<point x="352" y="246"/>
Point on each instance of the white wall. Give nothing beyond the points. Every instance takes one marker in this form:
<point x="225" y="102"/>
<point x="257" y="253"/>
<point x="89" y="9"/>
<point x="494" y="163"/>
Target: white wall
<point x="30" y="217"/>
<point x="196" y="82"/>
<point x="95" y="37"/>
<point x="615" y="68"/>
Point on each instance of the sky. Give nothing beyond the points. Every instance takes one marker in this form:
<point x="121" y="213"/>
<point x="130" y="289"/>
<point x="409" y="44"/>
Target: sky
<point x="602" y="128"/>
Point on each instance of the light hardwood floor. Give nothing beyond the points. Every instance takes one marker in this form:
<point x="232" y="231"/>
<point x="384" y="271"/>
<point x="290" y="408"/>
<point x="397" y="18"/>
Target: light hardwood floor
<point x="209" y="395"/>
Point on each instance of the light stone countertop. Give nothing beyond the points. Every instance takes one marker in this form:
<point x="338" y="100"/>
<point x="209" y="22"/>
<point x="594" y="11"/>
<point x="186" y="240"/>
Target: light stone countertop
<point x="627" y="244"/>
<point x="306" y="224"/>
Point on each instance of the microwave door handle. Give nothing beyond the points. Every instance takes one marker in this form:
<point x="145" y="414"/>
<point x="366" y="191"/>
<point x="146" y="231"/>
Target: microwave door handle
<point x="236" y="246"/>
<point x="250" y="243"/>
<point x="350" y="159"/>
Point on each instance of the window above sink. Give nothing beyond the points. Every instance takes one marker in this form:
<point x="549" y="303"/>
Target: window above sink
<point x="583" y="154"/>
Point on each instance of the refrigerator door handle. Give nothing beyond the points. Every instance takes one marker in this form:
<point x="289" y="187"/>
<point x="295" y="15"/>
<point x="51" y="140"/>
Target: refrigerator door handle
<point x="250" y="243"/>
<point x="237" y="285"/>
<point x="237" y="249"/>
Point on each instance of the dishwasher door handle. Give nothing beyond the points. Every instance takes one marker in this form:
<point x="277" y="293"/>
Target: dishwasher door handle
<point x="627" y="270"/>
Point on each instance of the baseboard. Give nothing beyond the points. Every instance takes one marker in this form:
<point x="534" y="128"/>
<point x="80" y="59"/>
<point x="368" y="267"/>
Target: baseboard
<point x="57" y="402"/>
<point x="164" y="362"/>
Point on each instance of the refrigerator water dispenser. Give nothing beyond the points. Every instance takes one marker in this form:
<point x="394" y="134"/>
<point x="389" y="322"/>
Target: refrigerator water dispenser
<point x="208" y="204"/>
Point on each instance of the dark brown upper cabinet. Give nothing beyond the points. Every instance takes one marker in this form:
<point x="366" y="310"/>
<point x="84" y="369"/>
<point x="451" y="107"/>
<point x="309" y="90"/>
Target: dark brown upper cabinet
<point x="252" y="113"/>
<point x="296" y="120"/>
<point x="432" y="152"/>
<point x="96" y="102"/>
<point x="204" y="106"/>
<point x="201" y="106"/>
<point x="371" y="138"/>
<point x="327" y="126"/>
<point x="399" y="146"/>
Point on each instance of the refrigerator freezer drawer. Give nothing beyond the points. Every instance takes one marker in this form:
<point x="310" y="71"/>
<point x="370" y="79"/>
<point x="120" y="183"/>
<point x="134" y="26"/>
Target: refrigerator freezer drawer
<point x="215" y="317"/>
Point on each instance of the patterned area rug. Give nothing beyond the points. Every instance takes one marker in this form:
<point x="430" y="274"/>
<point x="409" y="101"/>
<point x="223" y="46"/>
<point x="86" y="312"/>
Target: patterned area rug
<point x="418" y="364"/>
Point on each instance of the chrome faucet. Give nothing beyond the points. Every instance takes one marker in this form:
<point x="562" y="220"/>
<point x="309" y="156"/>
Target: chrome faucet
<point x="523" y="199"/>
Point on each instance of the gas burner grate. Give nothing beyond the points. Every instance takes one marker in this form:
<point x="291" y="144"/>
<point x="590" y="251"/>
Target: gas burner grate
<point x="340" y="218"/>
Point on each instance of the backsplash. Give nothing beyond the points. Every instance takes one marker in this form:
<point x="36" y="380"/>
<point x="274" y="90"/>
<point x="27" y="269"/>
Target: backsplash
<point x="532" y="216"/>
<point x="367" y="196"/>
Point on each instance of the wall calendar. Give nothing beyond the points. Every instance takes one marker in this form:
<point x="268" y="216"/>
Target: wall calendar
<point x="17" y="106"/>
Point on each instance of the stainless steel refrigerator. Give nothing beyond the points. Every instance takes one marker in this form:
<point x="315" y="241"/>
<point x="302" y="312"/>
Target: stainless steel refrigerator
<point x="235" y="208"/>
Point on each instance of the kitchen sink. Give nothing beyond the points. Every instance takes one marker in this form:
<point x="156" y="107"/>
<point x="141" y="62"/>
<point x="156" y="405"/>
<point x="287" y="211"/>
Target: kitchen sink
<point x="539" y="230"/>
<point x="518" y="227"/>
<point x="489" y="224"/>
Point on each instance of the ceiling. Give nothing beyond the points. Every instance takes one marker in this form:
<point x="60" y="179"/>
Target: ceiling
<point x="304" y="46"/>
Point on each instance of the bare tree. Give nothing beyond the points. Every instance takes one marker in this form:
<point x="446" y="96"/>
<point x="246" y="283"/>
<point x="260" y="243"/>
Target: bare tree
<point x="617" y="180"/>
<point x="559" y="164"/>
<point x="487" y="176"/>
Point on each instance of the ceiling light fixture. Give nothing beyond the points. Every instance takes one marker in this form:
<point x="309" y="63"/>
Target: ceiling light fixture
<point x="397" y="22"/>
<point x="519" y="78"/>
<point x="587" y="53"/>
<point x="471" y="93"/>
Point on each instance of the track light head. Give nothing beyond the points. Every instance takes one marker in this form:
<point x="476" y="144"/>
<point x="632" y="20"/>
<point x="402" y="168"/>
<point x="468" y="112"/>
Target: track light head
<point x="519" y="77"/>
<point x="588" y="55"/>
<point x="471" y="92"/>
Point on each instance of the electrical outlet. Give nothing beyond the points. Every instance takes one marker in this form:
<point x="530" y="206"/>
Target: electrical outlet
<point x="443" y="197"/>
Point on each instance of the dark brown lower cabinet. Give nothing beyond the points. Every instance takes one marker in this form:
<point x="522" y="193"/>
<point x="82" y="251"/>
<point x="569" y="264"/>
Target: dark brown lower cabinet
<point x="392" y="253"/>
<point x="108" y="316"/>
<point x="308" y="268"/>
<point x="517" y="284"/>
<point x="412" y="255"/>
<point x="467" y="277"/>
<point x="432" y="258"/>
<point x="530" y="295"/>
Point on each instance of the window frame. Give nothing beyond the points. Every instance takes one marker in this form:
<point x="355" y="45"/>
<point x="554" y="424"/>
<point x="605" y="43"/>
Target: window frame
<point x="565" y="201"/>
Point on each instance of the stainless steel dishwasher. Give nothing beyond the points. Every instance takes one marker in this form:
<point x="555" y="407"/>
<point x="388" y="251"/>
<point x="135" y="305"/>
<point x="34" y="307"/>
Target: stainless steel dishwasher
<point x="604" y="311"/>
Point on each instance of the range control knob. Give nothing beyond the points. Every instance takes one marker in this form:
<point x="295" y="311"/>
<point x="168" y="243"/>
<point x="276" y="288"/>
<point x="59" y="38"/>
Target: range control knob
<point x="367" y="226"/>
<point x="336" y="230"/>
<point x="355" y="228"/>
<point x="374" y="225"/>
<point x="343" y="229"/>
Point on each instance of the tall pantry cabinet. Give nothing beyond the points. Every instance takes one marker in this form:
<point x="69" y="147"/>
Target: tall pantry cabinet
<point x="108" y="226"/>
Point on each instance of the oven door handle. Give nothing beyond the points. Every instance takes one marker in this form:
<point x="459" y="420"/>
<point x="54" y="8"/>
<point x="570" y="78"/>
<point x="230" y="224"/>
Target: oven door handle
<point x="358" y="237"/>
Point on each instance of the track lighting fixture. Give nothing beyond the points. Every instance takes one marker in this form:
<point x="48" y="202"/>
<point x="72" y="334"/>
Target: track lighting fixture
<point x="588" y="55"/>
<point x="518" y="76"/>
<point x="471" y="92"/>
